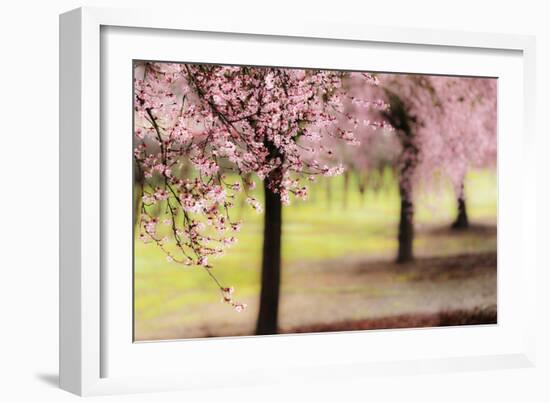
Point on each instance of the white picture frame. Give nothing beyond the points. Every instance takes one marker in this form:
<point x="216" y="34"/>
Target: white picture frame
<point x="92" y="345"/>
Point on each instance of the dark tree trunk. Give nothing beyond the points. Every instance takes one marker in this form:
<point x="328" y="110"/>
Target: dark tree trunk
<point x="461" y="221"/>
<point x="400" y="120"/>
<point x="406" y="225"/>
<point x="271" y="264"/>
<point x="362" y="186"/>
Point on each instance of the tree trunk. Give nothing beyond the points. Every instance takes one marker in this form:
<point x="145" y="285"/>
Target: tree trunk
<point x="401" y="121"/>
<point x="346" y="190"/>
<point x="271" y="264"/>
<point x="461" y="221"/>
<point x="362" y="186"/>
<point x="137" y="206"/>
<point x="138" y="194"/>
<point x="406" y="225"/>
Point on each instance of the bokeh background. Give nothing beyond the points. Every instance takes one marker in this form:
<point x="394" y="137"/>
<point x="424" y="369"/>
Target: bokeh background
<point x="338" y="264"/>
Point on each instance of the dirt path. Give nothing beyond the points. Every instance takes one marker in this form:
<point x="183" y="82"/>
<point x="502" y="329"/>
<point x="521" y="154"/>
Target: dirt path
<point x="368" y="290"/>
<point x="357" y="292"/>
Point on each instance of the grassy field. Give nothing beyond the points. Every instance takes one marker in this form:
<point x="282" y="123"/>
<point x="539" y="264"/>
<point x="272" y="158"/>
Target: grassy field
<point x="323" y="242"/>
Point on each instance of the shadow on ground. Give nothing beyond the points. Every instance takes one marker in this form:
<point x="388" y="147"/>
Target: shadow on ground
<point x="49" y="379"/>
<point x="478" y="316"/>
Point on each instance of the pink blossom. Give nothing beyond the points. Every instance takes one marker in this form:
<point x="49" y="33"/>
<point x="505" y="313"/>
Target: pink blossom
<point x="259" y="122"/>
<point x="161" y="194"/>
<point x="240" y="307"/>
<point x="255" y="204"/>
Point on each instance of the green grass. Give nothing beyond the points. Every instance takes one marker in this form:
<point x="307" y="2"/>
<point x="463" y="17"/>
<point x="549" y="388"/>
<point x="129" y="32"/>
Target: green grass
<point x="313" y="231"/>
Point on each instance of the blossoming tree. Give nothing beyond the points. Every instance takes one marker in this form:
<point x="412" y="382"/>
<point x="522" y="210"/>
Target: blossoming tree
<point x="469" y="126"/>
<point x="444" y="125"/>
<point x="269" y="122"/>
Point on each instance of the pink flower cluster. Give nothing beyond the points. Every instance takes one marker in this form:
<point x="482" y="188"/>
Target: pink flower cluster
<point x="194" y="124"/>
<point x="452" y="126"/>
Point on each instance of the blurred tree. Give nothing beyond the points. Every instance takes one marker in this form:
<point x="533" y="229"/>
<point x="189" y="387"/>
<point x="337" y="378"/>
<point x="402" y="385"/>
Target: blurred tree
<point x="461" y="221"/>
<point x="399" y="118"/>
<point x="470" y="120"/>
<point x="444" y="125"/>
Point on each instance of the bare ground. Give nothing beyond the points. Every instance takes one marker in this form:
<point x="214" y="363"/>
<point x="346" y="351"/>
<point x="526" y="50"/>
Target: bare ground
<point x="358" y="293"/>
<point x="476" y="316"/>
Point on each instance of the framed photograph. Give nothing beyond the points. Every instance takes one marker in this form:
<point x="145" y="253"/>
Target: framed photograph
<point x="245" y="202"/>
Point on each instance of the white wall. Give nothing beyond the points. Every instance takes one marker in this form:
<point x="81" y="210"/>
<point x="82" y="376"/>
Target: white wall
<point x="29" y="202"/>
